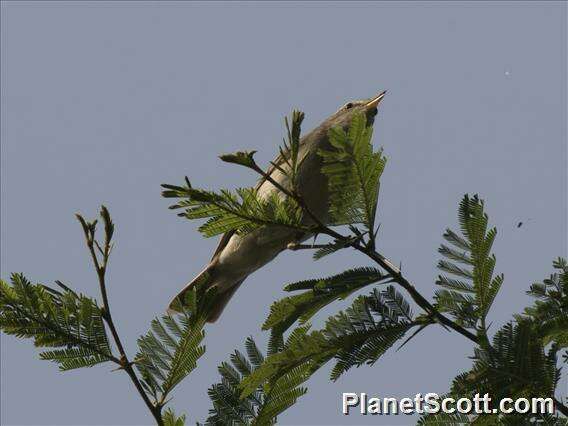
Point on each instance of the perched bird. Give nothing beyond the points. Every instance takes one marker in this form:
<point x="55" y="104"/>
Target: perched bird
<point x="238" y="256"/>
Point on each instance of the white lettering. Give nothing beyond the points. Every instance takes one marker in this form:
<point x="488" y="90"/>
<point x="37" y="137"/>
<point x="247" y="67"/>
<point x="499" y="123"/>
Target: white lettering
<point x="349" y="400"/>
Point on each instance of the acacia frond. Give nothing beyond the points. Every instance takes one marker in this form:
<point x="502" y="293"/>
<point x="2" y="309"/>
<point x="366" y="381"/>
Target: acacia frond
<point x="55" y="318"/>
<point x="320" y="293"/>
<point x="353" y="171"/>
<point x="289" y="161"/>
<point x="263" y="405"/>
<point x="170" y="419"/>
<point x="72" y="358"/>
<point x="443" y="419"/>
<point x="172" y="346"/>
<point x="242" y="211"/>
<point x="331" y="248"/>
<point x="359" y="335"/>
<point x="550" y="311"/>
<point x="469" y="288"/>
<point x="516" y="365"/>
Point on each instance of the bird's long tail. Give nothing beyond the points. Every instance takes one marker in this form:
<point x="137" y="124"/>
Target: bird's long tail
<point x="206" y="278"/>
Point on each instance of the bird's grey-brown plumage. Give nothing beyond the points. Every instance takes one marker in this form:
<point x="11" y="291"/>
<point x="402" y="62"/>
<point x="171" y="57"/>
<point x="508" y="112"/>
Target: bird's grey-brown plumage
<point x="237" y="256"/>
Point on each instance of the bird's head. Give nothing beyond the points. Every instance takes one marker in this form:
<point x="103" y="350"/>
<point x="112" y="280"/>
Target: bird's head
<point x="343" y="116"/>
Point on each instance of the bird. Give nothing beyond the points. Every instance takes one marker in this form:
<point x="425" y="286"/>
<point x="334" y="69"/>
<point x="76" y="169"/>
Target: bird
<point x="237" y="256"/>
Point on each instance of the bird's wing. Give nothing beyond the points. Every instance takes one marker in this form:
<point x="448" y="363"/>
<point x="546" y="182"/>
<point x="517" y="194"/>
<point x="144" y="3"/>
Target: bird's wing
<point x="279" y="161"/>
<point x="227" y="235"/>
<point x="222" y="243"/>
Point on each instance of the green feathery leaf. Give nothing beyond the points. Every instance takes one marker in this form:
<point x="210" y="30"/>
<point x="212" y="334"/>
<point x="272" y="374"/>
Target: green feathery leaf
<point x="516" y="365"/>
<point x="289" y="161"/>
<point x="443" y="419"/>
<point x="172" y="346"/>
<point x="550" y="311"/>
<point x="332" y="248"/>
<point x="57" y="319"/>
<point x="320" y="293"/>
<point x="170" y="419"/>
<point x="264" y="404"/>
<point x="357" y="336"/>
<point x="469" y="288"/>
<point x="353" y="171"/>
<point x="242" y="211"/>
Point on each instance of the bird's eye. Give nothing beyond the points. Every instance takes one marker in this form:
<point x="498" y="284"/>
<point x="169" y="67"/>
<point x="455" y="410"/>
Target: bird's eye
<point x="349" y="105"/>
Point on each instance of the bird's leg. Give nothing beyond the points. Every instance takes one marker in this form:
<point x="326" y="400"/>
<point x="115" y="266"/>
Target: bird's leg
<point x="297" y="244"/>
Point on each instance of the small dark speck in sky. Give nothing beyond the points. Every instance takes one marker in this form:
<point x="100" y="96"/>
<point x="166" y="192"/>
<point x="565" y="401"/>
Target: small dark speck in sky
<point x="521" y="223"/>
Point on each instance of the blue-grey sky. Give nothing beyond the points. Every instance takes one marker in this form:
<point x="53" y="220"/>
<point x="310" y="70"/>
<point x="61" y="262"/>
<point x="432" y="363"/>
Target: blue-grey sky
<point x="104" y="101"/>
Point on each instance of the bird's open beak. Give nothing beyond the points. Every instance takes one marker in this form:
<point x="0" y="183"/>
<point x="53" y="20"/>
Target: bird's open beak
<point x="373" y="103"/>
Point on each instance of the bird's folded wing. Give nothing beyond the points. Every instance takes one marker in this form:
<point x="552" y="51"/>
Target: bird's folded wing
<point x="278" y="161"/>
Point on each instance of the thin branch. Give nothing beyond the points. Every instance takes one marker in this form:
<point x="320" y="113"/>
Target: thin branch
<point x="125" y="363"/>
<point x="560" y="407"/>
<point x="386" y="264"/>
